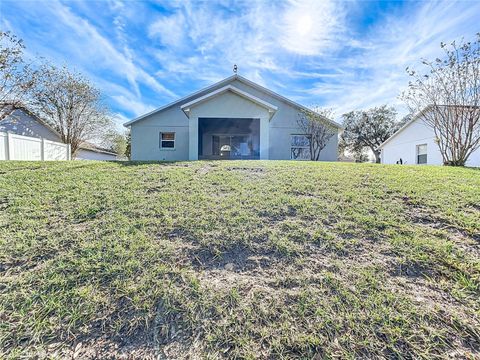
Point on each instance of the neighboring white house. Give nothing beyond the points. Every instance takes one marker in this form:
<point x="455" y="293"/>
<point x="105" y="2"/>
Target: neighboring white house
<point x="89" y="151"/>
<point x="232" y="119"/>
<point x="415" y="143"/>
<point x="23" y="122"/>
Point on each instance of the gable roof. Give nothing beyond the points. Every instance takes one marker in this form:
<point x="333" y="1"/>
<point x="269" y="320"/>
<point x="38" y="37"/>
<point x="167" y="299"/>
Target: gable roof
<point x="223" y="83"/>
<point x="88" y="146"/>
<point x="26" y="110"/>
<point x="407" y="124"/>
<point x="271" y="108"/>
<point x="417" y="116"/>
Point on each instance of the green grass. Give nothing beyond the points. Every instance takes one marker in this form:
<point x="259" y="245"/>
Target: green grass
<point x="242" y="260"/>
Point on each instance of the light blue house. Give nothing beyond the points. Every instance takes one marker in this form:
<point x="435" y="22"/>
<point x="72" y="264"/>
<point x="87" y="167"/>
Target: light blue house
<point x="232" y="119"/>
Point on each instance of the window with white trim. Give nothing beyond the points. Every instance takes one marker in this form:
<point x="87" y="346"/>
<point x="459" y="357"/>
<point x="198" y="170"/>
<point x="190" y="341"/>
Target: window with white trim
<point x="299" y="147"/>
<point x="422" y="154"/>
<point x="167" y="140"/>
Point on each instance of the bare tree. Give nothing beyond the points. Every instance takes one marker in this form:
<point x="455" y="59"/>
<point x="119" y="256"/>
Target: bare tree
<point x="369" y="129"/>
<point x="16" y="78"/>
<point x="447" y="98"/>
<point x="315" y="124"/>
<point x="71" y="104"/>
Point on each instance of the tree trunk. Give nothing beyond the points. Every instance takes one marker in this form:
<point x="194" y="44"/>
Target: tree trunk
<point x="377" y="156"/>
<point x="449" y="158"/>
<point x="454" y="163"/>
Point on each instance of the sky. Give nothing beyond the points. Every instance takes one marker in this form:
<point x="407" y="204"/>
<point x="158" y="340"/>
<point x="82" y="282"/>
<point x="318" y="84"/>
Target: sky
<point x="344" y="55"/>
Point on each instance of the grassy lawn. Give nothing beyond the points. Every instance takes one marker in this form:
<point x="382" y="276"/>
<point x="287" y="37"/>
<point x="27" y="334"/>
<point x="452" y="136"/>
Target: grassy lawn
<point x="245" y="260"/>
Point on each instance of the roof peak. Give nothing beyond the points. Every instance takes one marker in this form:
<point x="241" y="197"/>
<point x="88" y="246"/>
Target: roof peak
<point x="222" y="83"/>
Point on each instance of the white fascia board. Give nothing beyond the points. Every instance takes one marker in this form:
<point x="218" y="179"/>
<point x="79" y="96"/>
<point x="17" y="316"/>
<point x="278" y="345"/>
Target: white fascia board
<point x="415" y="118"/>
<point x="284" y="99"/>
<point x="271" y="108"/>
<point x="226" y="80"/>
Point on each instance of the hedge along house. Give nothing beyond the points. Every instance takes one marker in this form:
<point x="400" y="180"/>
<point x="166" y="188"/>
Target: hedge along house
<point x="232" y="119"/>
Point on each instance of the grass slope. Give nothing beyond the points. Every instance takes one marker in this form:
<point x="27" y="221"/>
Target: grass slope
<point x="239" y="260"/>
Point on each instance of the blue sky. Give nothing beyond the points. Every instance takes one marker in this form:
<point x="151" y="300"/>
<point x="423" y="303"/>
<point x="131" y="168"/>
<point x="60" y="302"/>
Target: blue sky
<point x="346" y="55"/>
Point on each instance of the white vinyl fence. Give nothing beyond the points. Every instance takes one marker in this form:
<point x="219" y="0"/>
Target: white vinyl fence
<point x="19" y="147"/>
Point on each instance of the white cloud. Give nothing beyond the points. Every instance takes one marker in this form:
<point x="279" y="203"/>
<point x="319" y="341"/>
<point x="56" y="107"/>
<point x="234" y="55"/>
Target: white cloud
<point x="374" y="73"/>
<point x="81" y="44"/>
<point x="310" y="27"/>
<point x="136" y="107"/>
<point x="288" y="45"/>
<point x="169" y="30"/>
<point x="98" y="47"/>
<point x="313" y="51"/>
<point x="254" y="37"/>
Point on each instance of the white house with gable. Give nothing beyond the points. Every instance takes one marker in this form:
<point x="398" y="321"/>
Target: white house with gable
<point x="415" y="144"/>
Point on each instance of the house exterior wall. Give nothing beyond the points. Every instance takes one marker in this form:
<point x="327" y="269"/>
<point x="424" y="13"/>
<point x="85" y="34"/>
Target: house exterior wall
<point x="404" y="146"/>
<point x="229" y="105"/>
<point x="283" y="124"/>
<point x="274" y="133"/>
<point x="21" y="123"/>
<point x="145" y="136"/>
<point x="85" y="154"/>
<point x="282" y="136"/>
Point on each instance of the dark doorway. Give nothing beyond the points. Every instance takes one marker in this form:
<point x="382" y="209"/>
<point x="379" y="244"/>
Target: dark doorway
<point x="227" y="138"/>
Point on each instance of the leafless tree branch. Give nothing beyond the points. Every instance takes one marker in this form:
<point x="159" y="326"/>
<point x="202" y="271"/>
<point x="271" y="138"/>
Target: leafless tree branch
<point x="314" y="124"/>
<point x="16" y="77"/>
<point x="71" y="104"/>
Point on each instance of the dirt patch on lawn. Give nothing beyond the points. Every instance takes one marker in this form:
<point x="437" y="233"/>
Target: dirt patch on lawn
<point x="291" y="278"/>
<point x="206" y="168"/>
<point x="423" y="216"/>
<point x="444" y="308"/>
<point x="250" y="173"/>
<point x="101" y="348"/>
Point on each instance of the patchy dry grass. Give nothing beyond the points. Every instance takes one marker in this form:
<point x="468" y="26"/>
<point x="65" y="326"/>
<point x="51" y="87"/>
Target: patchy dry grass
<point x="239" y="260"/>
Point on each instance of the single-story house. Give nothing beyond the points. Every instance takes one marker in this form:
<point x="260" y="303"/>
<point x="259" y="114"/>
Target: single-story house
<point x="89" y="151"/>
<point x="23" y="122"/>
<point x="415" y="143"/>
<point x="232" y="119"/>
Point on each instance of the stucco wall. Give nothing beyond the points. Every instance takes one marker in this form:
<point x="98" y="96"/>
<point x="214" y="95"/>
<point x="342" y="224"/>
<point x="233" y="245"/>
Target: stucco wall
<point x="145" y="136"/>
<point x="229" y="105"/>
<point x="274" y="133"/>
<point x="404" y="145"/>
<point x="282" y="136"/>
<point x="283" y="124"/>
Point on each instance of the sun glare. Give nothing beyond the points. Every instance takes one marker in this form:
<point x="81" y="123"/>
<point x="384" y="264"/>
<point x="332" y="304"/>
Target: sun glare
<point x="304" y="25"/>
<point x="308" y="25"/>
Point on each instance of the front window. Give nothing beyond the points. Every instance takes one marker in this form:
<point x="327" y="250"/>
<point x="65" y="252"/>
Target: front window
<point x="422" y="154"/>
<point x="167" y="140"/>
<point x="300" y="147"/>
